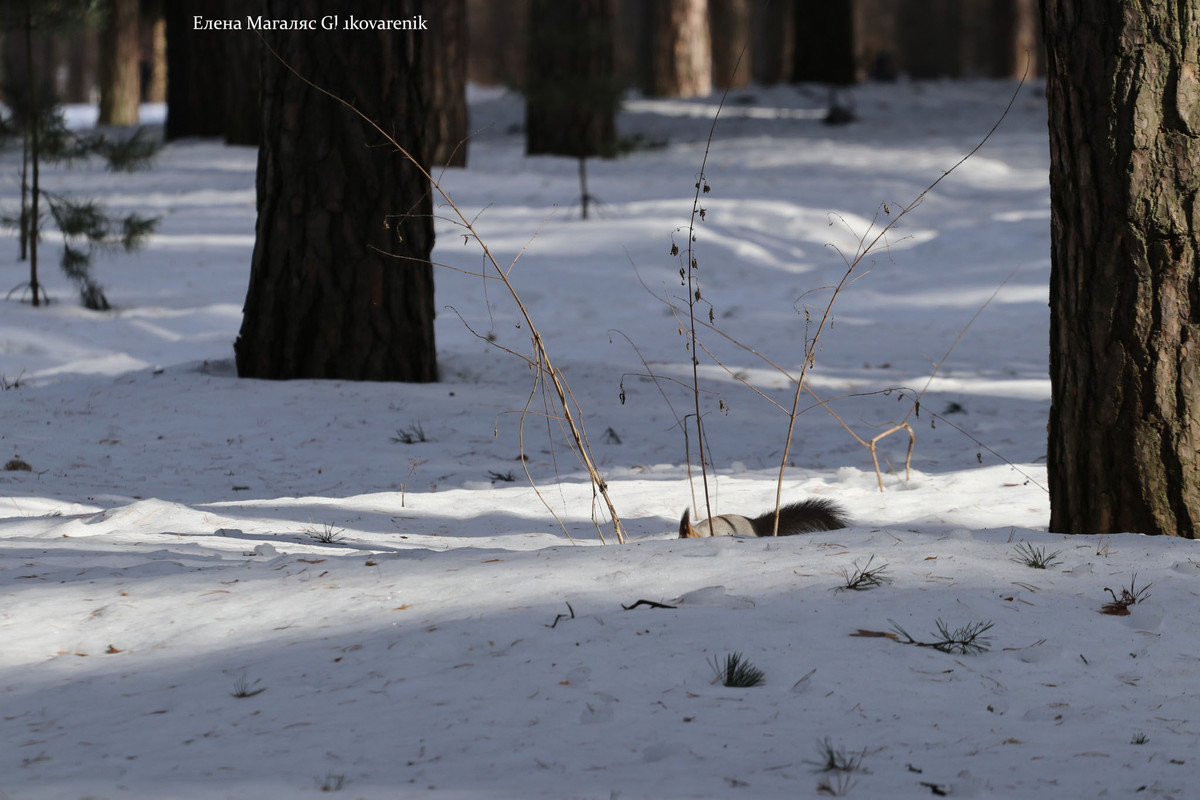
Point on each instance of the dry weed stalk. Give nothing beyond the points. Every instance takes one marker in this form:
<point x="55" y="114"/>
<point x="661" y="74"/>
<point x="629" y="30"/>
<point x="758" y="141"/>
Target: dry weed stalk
<point x="871" y="240"/>
<point x="567" y="410"/>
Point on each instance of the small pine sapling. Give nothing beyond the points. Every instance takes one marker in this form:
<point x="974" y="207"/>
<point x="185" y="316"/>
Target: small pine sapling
<point x="243" y="688"/>
<point x="85" y="226"/>
<point x="736" y="672"/>
<point x="862" y="578"/>
<point x="411" y="435"/>
<point x="965" y="640"/>
<point x="1035" y="557"/>
<point x="325" y="535"/>
<point x="1119" y="607"/>
<point x="838" y="759"/>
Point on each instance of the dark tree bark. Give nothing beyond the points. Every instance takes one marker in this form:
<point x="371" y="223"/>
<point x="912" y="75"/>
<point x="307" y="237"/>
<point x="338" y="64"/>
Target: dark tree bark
<point x="213" y="76"/>
<point x="120" y="79"/>
<point x="824" y="44"/>
<point x="445" y="70"/>
<point x="496" y="33"/>
<point x="154" y="52"/>
<point x="633" y="48"/>
<point x="774" y="26"/>
<point x="1123" y="85"/>
<point x="239" y="70"/>
<point x="571" y="94"/>
<point x="931" y="38"/>
<point x="682" y="48"/>
<point x="340" y="283"/>
<point x="1015" y="27"/>
<point x="195" y="97"/>
<point x="729" y="23"/>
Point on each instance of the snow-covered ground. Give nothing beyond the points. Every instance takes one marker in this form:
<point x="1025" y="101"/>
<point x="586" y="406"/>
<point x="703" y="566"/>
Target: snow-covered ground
<point x="173" y="627"/>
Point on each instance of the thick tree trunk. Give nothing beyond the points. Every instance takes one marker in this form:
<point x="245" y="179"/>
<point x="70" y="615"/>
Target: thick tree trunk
<point x="774" y="24"/>
<point x="445" y="70"/>
<point x="1124" y="96"/>
<point x="571" y="94"/>
<point x="238" y="68"/>
<point x="824" y="48"/>
<point x="195" y="81"/>
<point x="154" y="88"/>
<point x="930" y="38"/>
<point x="340" y="284"/>
<point x="496" y="35"/>
<point x="1015" y="33"/>
<point x="729" y="22"/>
<point x="120" y="78"/>
<point x="682" y="48"/>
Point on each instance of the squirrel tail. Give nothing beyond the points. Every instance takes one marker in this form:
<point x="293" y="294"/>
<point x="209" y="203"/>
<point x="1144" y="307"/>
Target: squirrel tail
<point x="807" y="516"/>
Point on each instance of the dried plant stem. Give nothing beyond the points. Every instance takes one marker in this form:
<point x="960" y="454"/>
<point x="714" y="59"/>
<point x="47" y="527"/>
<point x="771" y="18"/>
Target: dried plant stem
<point x="867" y="245"/>
<point x="544" y="368"/>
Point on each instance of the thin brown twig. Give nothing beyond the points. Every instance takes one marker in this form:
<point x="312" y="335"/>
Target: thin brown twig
<point x="541" y="363"/>
<point x="811" y="349"/>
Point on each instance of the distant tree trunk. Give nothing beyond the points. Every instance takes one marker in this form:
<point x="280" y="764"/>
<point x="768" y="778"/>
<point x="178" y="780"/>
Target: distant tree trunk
<point x="729" y="23"/>
<point x="195" y="81"/>
<point x="1014" y="23"/>
<point x="154" y="52"/>
<point x="1123" y="86"/>
<point x="571" y="94"/>
<point x="633" y="45"/>
<point x="931" y="38"/>
<point x="445" y="69"/>
<point x="240" y="67"/>
<point x="340" y="282"/>
<point x="496" y="34"/>
<point x="824" y="45"/>
<point x="81" y="54"/>
<point x="774" y="35"/>
<point x="682" y="48"/>
<point x="120" y="79"/>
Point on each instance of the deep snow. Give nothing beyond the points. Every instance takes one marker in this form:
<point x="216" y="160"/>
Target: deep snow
<point x="162" y="552"/>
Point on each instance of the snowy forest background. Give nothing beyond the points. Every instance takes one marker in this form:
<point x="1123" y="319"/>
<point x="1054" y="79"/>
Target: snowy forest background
<point x="222" y="587"/>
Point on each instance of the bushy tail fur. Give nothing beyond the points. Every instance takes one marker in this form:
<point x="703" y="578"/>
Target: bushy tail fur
<point x="807" y="516"/>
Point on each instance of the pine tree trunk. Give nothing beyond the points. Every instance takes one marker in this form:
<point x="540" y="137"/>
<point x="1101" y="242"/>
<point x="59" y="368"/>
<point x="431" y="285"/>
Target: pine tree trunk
<point x="154" y="42"/>
<point x="930" y="37"/>
<point x="120" y="79"/>
<point x="571" y="95"/>
<point x="682" y="48"/>
<point x="774" y="24"/>
<point x="340" y="283"/>
<point x="824" y="48"/>
<point x="240" y="64"/>
<point x="195" y="79"/>
<point x="729" y="21"/>
<point x="445" y="70"/>
<point x="1124" y="97"/>
<point x="496" y="37"/>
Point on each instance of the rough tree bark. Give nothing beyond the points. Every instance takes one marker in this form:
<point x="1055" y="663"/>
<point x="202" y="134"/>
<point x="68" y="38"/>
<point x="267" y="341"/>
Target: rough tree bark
<point x="774" y="36"/>
<point x="682" y="48"/>
<point x="340" y="283"/>
<point x="238" y="68"/>
<point x="1123" y="84"/>
<point x="194" y="80"/>
<point x="445" y="70"/>
<point x="120" y="78"/>
<point x="824" y="44"/>
<point x="729" y="23"/>
<point x="571" y="95"/>
<point x="154" y="46"/>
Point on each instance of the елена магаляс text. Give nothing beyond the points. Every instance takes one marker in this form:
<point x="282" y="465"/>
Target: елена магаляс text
<point x="332" y="22"/>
